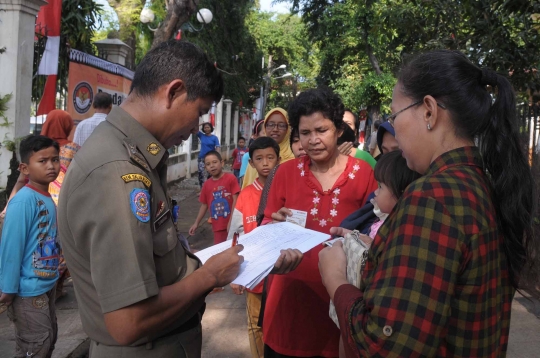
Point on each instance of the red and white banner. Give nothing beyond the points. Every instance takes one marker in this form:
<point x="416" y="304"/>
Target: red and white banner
<point x="48" y="24"/>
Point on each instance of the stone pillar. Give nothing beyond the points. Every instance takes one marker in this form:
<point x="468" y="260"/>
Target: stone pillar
<point x="113" y="50"/>
<point x="17" y="25"/>
<point x="186" y="148"/>
<point x="227" y="128"/>
<point x="219" y="123"/>
<point x="236" y="120"/>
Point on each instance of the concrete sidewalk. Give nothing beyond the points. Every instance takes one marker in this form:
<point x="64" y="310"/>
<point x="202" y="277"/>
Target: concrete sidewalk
<point x="224" y="323"/>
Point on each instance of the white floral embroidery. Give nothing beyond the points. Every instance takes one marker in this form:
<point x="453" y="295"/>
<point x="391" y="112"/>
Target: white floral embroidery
<point x="337" y="191"/>
<point x="351" y="175"/>
<point x="300" y="165"/>
<point x="316" y="200"/>
<point x="314" y="211"/>
<point x="322" y="222"/>
<point x="333" y="212"/>
<point x="335" y="201"/>
<point x="302" y="173"/>
<point x="356" y="167"/>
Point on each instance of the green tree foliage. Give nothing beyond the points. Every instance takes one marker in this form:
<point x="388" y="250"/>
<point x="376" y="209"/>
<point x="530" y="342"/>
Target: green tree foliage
<point x="285" y="38"/>
<point x="377" y="35"/>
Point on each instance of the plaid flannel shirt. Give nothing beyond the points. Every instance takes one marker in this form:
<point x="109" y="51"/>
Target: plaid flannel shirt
<point x="436" y="281"/>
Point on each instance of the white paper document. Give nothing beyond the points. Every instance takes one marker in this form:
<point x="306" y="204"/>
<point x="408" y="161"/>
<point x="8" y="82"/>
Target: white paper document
<point x="262" y="249"/>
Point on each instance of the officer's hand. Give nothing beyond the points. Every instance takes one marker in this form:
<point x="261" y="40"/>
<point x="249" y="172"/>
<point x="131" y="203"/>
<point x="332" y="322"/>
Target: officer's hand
<point x="192" y="229"/>
<point x="237" y="289"/>
<point x="281" y="215"/>
<point x="224" y="267"/>
<point x="288" y="261"/>
<point x="7" y="298"/>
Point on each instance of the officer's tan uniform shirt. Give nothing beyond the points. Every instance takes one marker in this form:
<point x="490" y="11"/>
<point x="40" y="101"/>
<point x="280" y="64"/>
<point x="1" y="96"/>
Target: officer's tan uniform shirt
<point x="115" y="224"/>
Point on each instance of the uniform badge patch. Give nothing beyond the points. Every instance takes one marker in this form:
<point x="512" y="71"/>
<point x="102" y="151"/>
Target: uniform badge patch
<point x="153" y="148"/>
<point x="137" y="177"/>
<point x="140" y="204"/>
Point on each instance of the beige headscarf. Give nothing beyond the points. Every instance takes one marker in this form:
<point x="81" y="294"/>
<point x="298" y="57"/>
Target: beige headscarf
<point x="285" y="151"/>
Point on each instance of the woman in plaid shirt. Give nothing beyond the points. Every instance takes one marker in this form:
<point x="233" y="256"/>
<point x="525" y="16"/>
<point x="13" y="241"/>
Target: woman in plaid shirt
<point x="442" y="271"/>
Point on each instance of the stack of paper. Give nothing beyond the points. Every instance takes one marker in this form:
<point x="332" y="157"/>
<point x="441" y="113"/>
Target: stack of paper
<point x="262" y="249"/>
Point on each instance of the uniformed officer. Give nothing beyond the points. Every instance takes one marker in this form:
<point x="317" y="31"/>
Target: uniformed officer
<point x="140" y="293"/>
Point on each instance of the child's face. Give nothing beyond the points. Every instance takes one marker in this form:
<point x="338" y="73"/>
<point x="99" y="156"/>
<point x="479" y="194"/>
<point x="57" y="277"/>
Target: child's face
<point x="213" y="165"/>
<point x="264" y="160"/>
<point x="385" y="199"/>
<point x="296" y="148"/>
<point x="43" y="166"/>
<point x="241" y="143"/>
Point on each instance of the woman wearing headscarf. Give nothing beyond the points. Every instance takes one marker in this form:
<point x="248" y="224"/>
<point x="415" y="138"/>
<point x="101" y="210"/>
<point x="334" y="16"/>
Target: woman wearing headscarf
<point x="276" y="126"/>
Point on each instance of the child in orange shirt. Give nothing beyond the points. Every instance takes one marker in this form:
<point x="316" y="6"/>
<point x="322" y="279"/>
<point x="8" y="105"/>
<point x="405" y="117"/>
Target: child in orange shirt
<point x="264" y="154"/>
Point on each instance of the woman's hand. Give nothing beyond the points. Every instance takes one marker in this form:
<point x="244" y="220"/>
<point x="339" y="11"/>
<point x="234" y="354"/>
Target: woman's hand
<point x="333" y="267"/>
<point x="237" y="289"/>
<point x="339" y="231"/>
<point x="346" y="148"/>
<point x="288" y="261"/>
<point x="281" y="215"/>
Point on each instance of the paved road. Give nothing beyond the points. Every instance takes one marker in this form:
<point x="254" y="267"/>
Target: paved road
<point x="224" y="323"/>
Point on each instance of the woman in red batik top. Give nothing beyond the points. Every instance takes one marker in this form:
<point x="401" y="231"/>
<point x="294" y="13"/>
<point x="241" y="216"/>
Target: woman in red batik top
<point x="328" y="186"/>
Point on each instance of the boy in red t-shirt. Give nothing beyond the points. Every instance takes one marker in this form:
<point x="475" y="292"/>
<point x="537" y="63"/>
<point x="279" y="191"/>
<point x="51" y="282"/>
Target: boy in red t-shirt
<point x="264" y="154"/>
<point x="218" y="194"/>
<point x="237" y="155"/>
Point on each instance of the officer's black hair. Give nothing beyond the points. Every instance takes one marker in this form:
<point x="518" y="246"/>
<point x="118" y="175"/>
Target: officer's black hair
<point x="172" y="60"/>
<point x="213" y="152"/>
<point x="102" y="100"/>
<point x="34" y="143"/>
<point x="263" y="143"/>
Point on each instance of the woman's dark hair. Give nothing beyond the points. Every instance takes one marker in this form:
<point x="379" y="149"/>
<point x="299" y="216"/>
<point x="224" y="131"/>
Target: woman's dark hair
<point x="207" y="124"/>
<point x="392" y="171"/>
<point x="294" y="134"/>
<point x="458" y="84"/>
<point x="346" y="136"/>
<point x="172" y="60"/>
<point x="317" y="100"/>
<point x="263" y="143"/>
<point x="356" y="124"/>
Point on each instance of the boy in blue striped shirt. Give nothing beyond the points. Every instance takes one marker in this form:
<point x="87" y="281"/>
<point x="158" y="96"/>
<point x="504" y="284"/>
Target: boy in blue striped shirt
<point x="29" y="251"/>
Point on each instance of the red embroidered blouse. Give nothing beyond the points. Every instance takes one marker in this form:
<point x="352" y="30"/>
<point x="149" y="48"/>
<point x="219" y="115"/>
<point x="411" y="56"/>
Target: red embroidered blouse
<point x="296" y="320"/>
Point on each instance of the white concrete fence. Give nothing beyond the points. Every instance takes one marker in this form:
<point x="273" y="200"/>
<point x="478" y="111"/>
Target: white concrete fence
<point x="182" y="161"/>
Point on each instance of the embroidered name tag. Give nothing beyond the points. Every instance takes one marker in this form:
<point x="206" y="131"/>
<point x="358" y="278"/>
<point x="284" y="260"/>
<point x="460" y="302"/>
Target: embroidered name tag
<point x="140" y="204"/>
<point x="162" y="220"/>
<point x="137" y="177"/>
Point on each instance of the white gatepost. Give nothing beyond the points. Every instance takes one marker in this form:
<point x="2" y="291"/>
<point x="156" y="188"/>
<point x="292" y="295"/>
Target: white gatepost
<point x="186" y="148"/>
<point x="236" y="120"/>
<point x="17" y="26"/>
<point x="227" y="145"/>
<point x="219" y="123"/>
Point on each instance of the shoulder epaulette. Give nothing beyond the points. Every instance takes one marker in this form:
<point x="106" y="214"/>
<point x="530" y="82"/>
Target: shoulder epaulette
<point x="135" y="156"/>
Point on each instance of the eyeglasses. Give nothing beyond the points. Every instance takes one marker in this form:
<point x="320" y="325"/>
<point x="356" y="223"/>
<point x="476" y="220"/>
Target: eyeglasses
<point x="281" y="126"/>
<point x="392" y="117"/>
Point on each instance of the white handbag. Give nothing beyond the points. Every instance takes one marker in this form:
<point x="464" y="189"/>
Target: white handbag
<point x="356" y="252"/>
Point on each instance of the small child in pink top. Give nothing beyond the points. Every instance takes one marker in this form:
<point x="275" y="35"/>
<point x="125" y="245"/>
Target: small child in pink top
<point x="394" y="176"/>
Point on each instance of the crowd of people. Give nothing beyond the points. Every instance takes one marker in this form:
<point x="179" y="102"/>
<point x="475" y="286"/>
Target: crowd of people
<point x="445" y="207"/>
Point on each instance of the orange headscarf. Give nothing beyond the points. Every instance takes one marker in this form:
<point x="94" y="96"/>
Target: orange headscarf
<point x="58" y="126"/>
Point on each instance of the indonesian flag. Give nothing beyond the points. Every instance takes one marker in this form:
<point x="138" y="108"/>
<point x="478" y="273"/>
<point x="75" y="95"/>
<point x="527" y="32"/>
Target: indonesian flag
<point x="213" y="114"/>
<point x="48" y="24"/>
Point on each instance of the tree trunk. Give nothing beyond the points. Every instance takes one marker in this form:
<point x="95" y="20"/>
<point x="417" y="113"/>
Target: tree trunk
<point x="125" y="10"/>
<point x="178" y="12"/>
<point x="374" y="112"/>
